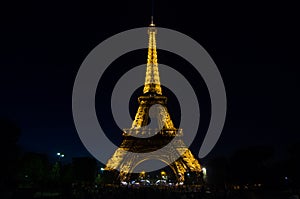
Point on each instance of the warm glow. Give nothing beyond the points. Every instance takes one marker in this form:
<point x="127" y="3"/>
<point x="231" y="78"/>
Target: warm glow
<point x="152" y="80"/>
<point x="121" y="160"/>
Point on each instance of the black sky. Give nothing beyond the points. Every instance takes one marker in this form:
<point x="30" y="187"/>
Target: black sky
<point x="254" y="44"/>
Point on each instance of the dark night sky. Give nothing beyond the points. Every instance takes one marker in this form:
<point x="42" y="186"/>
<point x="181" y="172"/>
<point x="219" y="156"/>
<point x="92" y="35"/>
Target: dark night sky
<point x="255" y="46"/>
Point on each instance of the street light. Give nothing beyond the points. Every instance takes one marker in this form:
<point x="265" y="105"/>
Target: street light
<point x="164" y="175"/>
<point x="204" y="171"/>
<point x="60" y="155"/>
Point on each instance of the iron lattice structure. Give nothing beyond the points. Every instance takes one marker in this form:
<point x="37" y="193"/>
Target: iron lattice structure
<point x="152" y="97"/>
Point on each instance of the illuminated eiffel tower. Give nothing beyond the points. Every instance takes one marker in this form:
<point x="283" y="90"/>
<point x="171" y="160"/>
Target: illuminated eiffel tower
<point x="152" y="97"/>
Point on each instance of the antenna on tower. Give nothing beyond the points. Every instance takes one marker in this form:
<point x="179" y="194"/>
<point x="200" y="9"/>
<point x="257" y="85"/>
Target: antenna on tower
<point x="152" y="9"/>
<point x="152" y="13"/>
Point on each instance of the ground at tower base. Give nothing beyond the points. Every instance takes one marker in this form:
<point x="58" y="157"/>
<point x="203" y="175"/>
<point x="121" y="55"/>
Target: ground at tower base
<point x="93" y="191"/>
<point x="236" y="177"/>
<point x="83" y="178"/>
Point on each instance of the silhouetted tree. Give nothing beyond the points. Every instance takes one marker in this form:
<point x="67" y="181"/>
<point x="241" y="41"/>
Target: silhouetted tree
<point x="9" y="133"/>
<point x="218" y="172"/>
<point x="35" y="168"/>
<point x="84" y="169"/>
<point x="250" y="165"/>
<point x="293" y="164"/>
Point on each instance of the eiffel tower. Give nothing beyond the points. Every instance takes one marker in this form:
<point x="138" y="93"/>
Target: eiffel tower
<point x="152" y="104"/>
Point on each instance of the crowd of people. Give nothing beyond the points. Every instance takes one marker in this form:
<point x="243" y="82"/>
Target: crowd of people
<point x="145" y="192"/>
<point x="81" y="191"/>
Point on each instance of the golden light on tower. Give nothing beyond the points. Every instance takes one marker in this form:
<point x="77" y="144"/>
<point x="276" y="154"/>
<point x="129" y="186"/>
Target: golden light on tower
<point x="142" y="175"/>
<point x="152" y="80"/>
<point x="123" y="160"/>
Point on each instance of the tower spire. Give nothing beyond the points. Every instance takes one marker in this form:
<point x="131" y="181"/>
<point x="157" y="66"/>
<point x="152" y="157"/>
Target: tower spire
<point x="152" y="80"/>
<point x="152" y="24"/>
